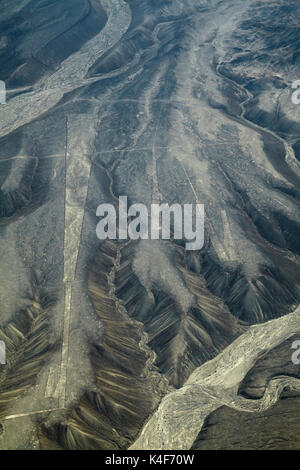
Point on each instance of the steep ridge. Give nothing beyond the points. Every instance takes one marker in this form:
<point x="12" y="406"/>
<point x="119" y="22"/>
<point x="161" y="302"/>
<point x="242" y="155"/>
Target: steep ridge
<point x="127" y="385"/>
<point x="28" y="348"/>
<point x="181" y="339"/>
